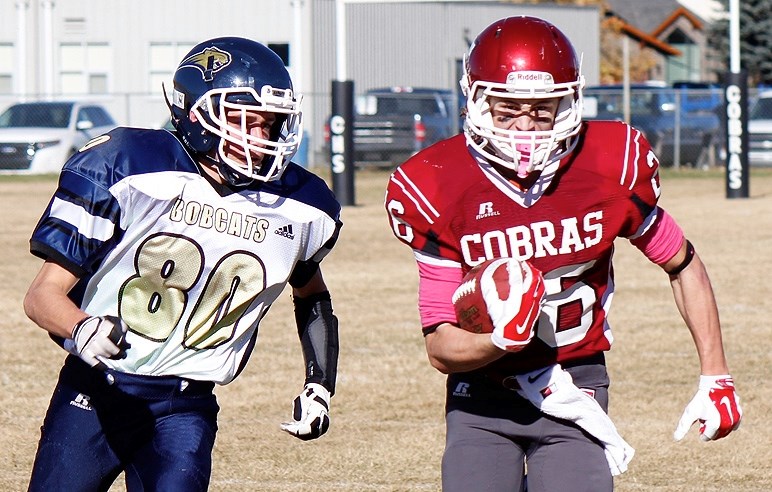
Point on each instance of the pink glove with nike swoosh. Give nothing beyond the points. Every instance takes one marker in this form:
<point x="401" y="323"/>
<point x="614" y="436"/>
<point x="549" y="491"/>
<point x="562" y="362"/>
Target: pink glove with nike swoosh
<point x="717" y="407"/>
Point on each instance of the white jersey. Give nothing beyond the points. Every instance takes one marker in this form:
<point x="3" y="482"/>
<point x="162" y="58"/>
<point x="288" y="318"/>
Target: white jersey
<point x="189" y="265"/>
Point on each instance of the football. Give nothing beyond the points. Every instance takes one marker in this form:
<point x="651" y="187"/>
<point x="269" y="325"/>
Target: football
<point x="510" y="289"/>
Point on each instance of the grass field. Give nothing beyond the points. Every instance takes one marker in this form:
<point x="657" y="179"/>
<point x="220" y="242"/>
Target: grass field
<point x="387" y="429"/>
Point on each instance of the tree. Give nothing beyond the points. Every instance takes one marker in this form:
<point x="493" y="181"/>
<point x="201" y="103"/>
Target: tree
<point x="611" y="57"/>
<point x="755" y="39"/>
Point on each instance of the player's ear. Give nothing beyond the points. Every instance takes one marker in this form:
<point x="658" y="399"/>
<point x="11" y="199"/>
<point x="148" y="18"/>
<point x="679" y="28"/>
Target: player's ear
<point x="192" y="116"/>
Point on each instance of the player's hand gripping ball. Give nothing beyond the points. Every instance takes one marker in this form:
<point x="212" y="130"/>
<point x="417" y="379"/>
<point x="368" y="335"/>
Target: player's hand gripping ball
<point x="503" y="297"/>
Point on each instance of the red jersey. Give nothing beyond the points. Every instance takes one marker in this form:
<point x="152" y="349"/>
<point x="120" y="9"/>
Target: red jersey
<point x="453" y="208"/>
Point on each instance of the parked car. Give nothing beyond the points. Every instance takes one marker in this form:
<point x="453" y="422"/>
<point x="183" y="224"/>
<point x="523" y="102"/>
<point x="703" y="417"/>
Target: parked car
<point x="693" y="124"/>
<point x="699" y="96"/>
<point x="393" y="123"/>
<point x="39" y="137"/>
<point x="760" y="131"/>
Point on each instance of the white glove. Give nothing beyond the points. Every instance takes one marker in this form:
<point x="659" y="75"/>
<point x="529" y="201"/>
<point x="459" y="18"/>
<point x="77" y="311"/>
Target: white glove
<point x="98" y="337"/>
<point x="514" y="317"/>
<point x="717" y="407"/>
<point x="310" y="413"/>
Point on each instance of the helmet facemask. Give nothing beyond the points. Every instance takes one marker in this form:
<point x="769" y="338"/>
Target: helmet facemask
<point x="211" y="109"/>
<point x="523" y="151"/>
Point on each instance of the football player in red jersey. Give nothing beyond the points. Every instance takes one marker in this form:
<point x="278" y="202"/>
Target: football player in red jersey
<point x="529" y="180"/>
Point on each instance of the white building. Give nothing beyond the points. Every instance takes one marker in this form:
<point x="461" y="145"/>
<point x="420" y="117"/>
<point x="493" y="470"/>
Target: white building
<point x="120" y="51"/>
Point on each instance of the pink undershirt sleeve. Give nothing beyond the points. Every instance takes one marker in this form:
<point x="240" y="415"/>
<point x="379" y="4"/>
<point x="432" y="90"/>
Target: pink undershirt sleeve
<point x="663" y="239"/>
<point x="436" y="285"/>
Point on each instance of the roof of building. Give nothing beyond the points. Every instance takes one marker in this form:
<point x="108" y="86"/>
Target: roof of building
<point x="644" y="15"/>
<point x="645" y="21"/>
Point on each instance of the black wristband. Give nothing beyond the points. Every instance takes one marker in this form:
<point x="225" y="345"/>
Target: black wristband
<point x="685" y="263"/>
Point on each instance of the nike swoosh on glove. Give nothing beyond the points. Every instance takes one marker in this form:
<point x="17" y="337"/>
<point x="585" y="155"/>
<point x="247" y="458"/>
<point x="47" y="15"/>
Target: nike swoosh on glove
<point x="515" y="308"/>
<point x="716" y="406"/>
<point x="310" y="414"/>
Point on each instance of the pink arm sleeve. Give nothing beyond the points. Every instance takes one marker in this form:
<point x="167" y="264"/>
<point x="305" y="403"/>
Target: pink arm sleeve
<point x="663" y="239"/>
<point x="436" y="285"/>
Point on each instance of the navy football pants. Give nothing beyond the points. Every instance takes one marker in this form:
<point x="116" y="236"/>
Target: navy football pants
<point x="159" y="430"/>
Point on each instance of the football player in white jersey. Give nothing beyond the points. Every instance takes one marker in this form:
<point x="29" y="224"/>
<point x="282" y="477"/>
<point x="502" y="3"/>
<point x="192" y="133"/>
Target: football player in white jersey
<point x="163" y="251"/>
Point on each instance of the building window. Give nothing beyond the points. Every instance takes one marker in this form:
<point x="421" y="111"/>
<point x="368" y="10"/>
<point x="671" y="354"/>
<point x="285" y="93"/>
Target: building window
<point x="85" y="68"/>
<point x="164" y="58"/>
<point x="281" y="49"/>
<point x="6" y="68"/>
<point x="684" y="67"/>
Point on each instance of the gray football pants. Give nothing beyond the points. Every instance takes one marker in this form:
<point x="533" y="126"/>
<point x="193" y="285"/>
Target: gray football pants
<point x="493" y="435"/>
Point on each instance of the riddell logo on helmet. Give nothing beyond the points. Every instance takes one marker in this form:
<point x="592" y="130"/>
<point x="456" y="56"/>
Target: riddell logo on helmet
<point x="529" y="78"/>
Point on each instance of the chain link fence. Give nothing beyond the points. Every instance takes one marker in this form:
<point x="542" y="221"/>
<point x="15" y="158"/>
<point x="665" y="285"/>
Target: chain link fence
<point x="685" y="126"/>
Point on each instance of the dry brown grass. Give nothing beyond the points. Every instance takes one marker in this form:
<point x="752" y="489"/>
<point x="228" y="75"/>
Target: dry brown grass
<point x="387" y="418"/>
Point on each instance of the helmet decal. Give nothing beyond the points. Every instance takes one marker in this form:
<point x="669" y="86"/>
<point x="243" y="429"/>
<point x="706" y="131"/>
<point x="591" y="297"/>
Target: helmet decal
<point x="208" y="61"/>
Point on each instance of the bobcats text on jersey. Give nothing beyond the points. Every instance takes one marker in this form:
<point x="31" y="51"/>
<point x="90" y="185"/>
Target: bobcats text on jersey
<point x="221" y="220"/>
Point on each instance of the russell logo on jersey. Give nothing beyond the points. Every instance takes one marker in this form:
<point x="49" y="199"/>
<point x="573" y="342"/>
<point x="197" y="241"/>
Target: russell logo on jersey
<point x="486" y="210"/>
<point x="462" y="390"/>
<point x="82" y="401"/>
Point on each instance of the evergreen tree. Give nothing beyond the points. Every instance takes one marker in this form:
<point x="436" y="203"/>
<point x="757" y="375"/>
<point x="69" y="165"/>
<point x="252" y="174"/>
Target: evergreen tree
<point x="755" y="39"/>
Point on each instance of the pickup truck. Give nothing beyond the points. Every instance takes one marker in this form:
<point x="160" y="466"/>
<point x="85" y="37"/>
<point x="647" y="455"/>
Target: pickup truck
<point x="693" y="126"/>
<point x="392" y="124"/>
<point x="760" y="131"/>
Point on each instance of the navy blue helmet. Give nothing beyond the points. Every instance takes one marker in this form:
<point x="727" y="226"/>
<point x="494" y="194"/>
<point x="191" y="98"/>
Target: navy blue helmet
<point x="231" y="73"/>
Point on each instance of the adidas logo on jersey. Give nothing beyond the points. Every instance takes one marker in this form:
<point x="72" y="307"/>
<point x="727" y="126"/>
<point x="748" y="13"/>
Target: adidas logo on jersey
<point x="285" y="231"/>
<point x="82" y="401"/>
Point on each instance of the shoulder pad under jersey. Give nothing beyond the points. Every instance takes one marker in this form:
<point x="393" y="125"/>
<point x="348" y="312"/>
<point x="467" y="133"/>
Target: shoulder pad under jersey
<point x="126" y="151"/>
<point x="622" y="158"/>
<point x="421" y="191"/>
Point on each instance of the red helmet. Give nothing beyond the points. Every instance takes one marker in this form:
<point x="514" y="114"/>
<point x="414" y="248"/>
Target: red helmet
<point x="522" y="58"/>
